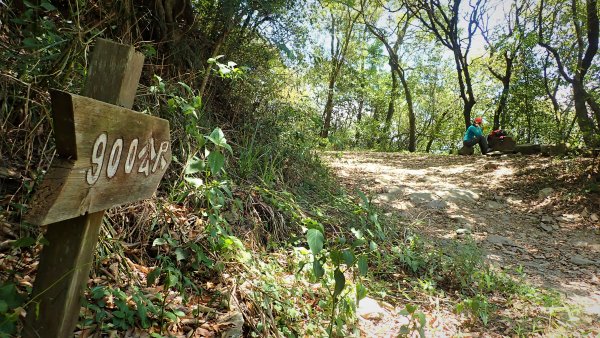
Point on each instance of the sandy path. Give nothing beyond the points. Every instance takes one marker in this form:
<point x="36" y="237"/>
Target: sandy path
<point x="517" y="220"/>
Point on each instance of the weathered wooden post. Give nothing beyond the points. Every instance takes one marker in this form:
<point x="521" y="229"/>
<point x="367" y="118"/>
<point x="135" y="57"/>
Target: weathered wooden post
<point x="107" y="155"/>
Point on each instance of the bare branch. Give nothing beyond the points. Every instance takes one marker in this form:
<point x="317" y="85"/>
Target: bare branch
<point x="593" y="30"/>
<point x="577" y="27"/>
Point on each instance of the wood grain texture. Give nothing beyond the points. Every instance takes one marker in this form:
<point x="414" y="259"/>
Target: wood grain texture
<point x="113" y="74"/>
<point x="65" y="262"/>
<point x="79" y="121"/>
<point x="63" y="271"/>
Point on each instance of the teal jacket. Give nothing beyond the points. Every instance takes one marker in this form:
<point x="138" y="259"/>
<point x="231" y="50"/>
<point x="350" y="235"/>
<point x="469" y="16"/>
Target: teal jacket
<point x="472" y="132"/>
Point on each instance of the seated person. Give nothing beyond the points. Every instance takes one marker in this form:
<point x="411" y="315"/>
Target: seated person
<point x="474" y="135"/>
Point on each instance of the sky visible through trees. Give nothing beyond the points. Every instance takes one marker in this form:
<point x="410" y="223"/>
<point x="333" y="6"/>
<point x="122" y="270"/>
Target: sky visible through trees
<point x="501" y="66"/>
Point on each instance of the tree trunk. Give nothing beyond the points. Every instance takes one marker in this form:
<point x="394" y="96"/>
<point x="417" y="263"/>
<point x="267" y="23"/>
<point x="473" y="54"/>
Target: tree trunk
<point x="411" y="113"/>
<point x="467" y="112"/>
<point x="338" y="53"/>
<point x="501" y="105"/>
<point x="499" y="117"/>
<point x="585" y="56"/>
<point x="393" y="96"/>
<point x="594" y="106"/>
<point x="464" y="83"/>
<point x="586" y="125"/>
<point x="361" y="101"/>
<point x="384" y="137"/>
<point x="436" y="129"/>
<point x="528" y="112"/>
<point x="328" y="111"/>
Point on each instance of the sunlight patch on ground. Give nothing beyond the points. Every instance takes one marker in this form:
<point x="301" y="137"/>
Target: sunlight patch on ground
<point x="452" y="198"/>
<point x="503" y="171"/>
<point x="590" y="304"/>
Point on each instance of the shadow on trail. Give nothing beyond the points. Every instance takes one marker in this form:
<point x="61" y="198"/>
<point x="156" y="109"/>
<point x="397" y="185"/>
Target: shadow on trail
<point x="525" y="212"/>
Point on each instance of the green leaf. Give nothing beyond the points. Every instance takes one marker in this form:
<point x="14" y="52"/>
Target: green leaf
<point x="318" y="269"/>
<point x="214" y="60"/>
<point x="364" y="198"/>
<point x="358" y="242"/>
<point x="180" y="254"/>
<point x="30" y="43"/>
<point x="421" y="317"/>
<point x="3" y="306"/>
<point x="217" y="137"/>
<point x="171" y="316"/>
<point x="186" y="87"/>
<point x="223" y="69"/>
<point x="98" y="292"/>
<point x="47" y="6"/>
<point x="357" y="233"/>
<point x="23" y="242"/>
<point x="188" y="109"/>
<point x="172" y="280"/>
<point x="18" y="21"/>
<point x="336" y="257"/>
<point x="340" y="282"/>
<point x="361" y="292"/>
<point x="373" y="246"/>
<point x="484" y="317"/>
<point x="411" y="308"/>
<point x="159" y="241"/>
<point x="228" y="147"/>
<point x="151" y="278"/>
<point x="310" y="223"/>
<point x="315" y="240"/>
<point x="216" y="160"/>
<point x="226" y="189"/>
<point x="363" y="266"/>
<point x="348" y="257"/>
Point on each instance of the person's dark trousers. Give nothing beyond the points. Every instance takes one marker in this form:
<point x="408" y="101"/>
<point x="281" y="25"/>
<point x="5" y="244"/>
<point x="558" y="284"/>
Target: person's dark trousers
<point x="482" y="143"/>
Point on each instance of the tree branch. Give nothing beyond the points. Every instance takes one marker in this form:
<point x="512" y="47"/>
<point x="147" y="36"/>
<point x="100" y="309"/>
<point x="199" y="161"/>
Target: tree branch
<point x="593" y="30"/>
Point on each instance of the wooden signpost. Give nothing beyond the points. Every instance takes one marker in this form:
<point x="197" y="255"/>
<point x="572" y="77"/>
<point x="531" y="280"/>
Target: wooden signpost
<point x="108" y="155"/>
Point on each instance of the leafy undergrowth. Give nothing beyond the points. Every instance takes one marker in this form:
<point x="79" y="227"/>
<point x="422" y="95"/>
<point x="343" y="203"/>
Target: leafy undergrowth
<point x="255" y="261"/>
<point x="259" y="240"/>
<point x="576" y="181"/>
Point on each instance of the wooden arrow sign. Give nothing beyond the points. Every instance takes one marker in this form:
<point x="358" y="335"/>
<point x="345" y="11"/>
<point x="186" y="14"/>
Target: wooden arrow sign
<point x="108" y="156"/>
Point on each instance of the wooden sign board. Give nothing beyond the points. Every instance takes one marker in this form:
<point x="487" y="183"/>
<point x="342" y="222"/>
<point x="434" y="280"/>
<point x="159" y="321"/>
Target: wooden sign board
<point x="108" y="156"/>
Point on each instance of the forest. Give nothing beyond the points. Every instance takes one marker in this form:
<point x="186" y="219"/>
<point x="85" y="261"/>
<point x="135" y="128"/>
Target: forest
<point x="314" y="187"/>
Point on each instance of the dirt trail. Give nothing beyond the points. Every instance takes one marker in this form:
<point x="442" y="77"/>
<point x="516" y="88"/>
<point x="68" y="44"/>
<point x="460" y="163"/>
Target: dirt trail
<point x="513" y="206"/>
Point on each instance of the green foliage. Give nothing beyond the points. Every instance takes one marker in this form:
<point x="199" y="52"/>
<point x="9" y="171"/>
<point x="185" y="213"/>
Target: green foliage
<point x="335" y="260"/>
<point x="416" y="322"/>
<point x="230" y="70"/>
<point x="278" y="149"/>
<point x="477" y="306"/>
<point x="454" y="265"/>
<point x="11" y="304"/>
<point x="112" y="308"/>
<point x="315" y="240"/>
